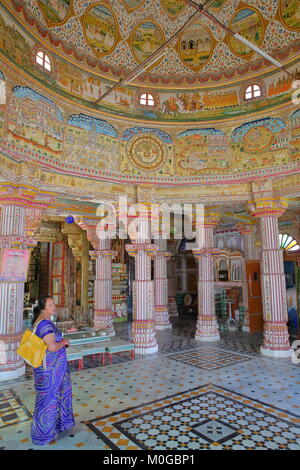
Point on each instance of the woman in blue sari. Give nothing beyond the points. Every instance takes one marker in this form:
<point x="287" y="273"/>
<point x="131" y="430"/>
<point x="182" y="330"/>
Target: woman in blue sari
<point x="53" y="407"/>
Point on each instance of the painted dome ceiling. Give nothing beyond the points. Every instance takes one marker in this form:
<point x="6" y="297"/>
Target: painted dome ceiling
<point x="111" y="37"/>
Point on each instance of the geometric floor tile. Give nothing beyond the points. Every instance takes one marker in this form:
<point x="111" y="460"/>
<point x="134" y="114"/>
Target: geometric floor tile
<point x="207" y="417"/>
<point x="209" y="358"/>
<point x="12" y="410"/>
<point x="214" y="430"/>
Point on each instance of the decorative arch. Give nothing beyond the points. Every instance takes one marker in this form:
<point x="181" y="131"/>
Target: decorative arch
<point x="255" y="81"/>
<point x="153" y="93"/>
<point x="38" y="60"/>
<point x="288" y="243"/>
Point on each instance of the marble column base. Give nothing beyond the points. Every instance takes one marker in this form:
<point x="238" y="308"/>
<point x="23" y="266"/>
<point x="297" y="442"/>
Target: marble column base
<point x="163" y="327"/>
<point x="207" y="339"/>
<point x="144" y="337"/>
<point x="142" y="350"/>
<point x="276" y="352"/>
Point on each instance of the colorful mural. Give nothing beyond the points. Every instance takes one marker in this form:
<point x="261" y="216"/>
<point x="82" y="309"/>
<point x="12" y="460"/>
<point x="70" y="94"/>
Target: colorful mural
<point x="173" y="7"/>
<point x="34" y="121"/>
<point x="146" y="153"/>
<point x="217" y="5"/>
<point x="290" y="13"/>
<point x="147" y="150"/>
<point x="282" y="85"/>
<point x="145" y="39"/>
<point x="201" y="150"/>
<point x="100" y="29"/>
<point x="76" y="82"/>
<point x="133" y="4"/>
<point x="195" y="46"/>
<point x="89" y="140"/>
<point x="249" y="24"/>
<point x="55" y="11"/>
<point x="197" y="103"/>
<point x="295" y="135"/>
<point x="260" y="143"/>
<point x="14" y="44"/>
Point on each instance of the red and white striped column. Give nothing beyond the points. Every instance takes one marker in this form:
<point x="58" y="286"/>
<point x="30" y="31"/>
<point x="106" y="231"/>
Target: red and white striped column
<point x="161" y="309"/>
<point x="21" y="212"/>
<point x="207" y="326"/>
<point x="143" y="326"/>
<point x="103" y="314"/>
<point x="276" y="338"/>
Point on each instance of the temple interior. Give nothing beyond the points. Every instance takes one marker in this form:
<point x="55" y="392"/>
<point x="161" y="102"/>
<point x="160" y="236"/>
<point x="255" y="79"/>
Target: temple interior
<point x="150" y="183"/>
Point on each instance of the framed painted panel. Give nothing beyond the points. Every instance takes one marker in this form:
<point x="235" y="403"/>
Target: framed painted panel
<point x="14" y="265"/>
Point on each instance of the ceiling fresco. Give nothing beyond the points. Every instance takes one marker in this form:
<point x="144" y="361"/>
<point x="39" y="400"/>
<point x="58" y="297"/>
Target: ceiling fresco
<point x="191" y="104"/>
<point x="199" y="129"/>
<point x="111" y="37"/>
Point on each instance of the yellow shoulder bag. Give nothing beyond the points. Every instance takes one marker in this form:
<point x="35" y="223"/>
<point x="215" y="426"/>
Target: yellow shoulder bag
<point x="32" y="348"/>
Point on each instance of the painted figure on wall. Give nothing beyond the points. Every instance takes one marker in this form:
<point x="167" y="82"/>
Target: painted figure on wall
<point x="76" y="82"/>
<point x="54" y="10"/>
<point x="249" y="24"/>
<point x="146" y="153"/>
<point x="204" y="150"/>
<point x="100" y="29"/>
<point x="91" y="141"/>
<point x="290" y="13"/>
<point x="145" y="39"/>
<point x="195" y="46"/>
<point x="295" y="135"/>
<point x="173" y="7"/>
<point x="260" y="143"/>
<point x="133" y="4"/>
<point x="35" y="121"/>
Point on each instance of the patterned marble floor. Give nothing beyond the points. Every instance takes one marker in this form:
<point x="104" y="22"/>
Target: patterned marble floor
<point x="188" y="396"/>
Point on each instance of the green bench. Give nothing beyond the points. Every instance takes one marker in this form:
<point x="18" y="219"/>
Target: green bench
<point x="79" y="351"/>
<point x="116" y="346"/>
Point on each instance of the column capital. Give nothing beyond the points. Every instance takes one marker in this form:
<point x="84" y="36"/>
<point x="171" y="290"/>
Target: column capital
<point x="198" y="252"/>
<point x="268" y="206"/>
<point x="163" y="254"/>
<point x="24" y="195"/>
<point x="133" y="249"/>
<point x="211" y="217"/>
<point x="107" y="253"/>
<point x="245" y="229"/>
<point x="90" y="226"/>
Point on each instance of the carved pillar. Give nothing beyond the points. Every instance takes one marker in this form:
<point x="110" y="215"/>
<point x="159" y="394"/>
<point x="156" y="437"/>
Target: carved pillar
<point x="143" y="327"/>
<point x="276" y="338"/>
<point x="172" y="288"/>
<point x="78" y="242"/>
<point x="250" y="248"/>
<point x="103" y="315"/>
<point x="161" y="309"/>
<point x="21" y="211"/>
<point x="250" y="253"/>
<point x="207" y="326"/>
<point x="184" y="272"/>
